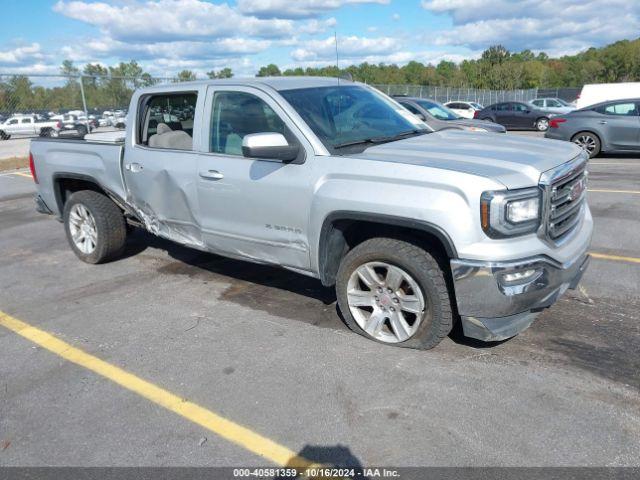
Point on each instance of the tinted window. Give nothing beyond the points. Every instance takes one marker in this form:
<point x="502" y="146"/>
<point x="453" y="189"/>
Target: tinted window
<point x="236" y="114"/>
<point x="350" y="113"/>
<point x="13" y="121"/>
<point x="626" y="109"/>
<point x="167" y="121"/>
<point x="538" y="103"/>
<point x="25" y="120"/>
<point x="553" y="103"/>
<point x="519" y="107"/>
<point x="411" y="108"/>
<point x="503" y="107"/>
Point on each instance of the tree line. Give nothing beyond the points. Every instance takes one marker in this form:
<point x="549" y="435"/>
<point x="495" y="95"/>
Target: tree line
<point x="496" y="69"/>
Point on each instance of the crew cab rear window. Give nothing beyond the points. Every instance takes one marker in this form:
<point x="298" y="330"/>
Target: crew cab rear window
<point x="166" y="121"/>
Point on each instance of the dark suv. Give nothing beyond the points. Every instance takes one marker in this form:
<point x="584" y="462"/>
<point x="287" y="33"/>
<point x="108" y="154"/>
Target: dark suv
<point x="516" y="115"/>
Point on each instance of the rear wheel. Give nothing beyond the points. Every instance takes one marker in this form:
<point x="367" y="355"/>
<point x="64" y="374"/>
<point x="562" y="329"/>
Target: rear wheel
<point x="82" y="130"/>
<point x="542" y="124"/>
<point x="588" y="142"/>
<point x="394" y="292"/>
<point x="95" y="226"/>
<point x="4" y="136"/>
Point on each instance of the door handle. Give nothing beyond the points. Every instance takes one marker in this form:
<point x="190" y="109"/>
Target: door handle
<point x="211" y="175"/>
<point x="602" y="122"/>
<point x="133" y="167"/>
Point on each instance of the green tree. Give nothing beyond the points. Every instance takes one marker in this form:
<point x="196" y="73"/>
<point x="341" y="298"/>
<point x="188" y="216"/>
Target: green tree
<point x="224" y="73"/>
<point x="186" y="76"/>
<point x="270" y="70"/>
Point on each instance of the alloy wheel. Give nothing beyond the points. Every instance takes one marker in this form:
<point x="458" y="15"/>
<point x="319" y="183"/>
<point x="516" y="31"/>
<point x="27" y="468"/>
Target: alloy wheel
<point x="586" y="142"/>
<point x="82" y="227"/>
<point x="385" y="301"/>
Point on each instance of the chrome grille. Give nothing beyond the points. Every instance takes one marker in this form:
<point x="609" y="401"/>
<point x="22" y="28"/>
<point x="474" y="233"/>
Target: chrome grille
<point x="565" y="194"/>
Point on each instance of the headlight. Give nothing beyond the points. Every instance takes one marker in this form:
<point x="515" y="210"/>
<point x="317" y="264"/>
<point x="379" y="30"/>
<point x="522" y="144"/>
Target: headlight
<point x="509" y="213"/>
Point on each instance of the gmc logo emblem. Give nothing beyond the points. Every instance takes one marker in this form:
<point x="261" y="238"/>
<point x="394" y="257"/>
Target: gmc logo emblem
<point x="577" y="189"/>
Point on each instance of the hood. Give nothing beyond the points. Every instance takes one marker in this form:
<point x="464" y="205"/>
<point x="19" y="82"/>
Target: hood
<point x="469" y="122"/>
<point x="515" y="161"/>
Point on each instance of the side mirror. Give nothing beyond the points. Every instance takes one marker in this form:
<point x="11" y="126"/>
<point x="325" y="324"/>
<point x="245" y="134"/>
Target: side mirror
<point x="269" y="145"/>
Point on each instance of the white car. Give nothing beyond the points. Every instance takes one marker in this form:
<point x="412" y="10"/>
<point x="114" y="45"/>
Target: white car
<point x="552" y="105"/>
<point x="604" y="92"/>
<point x="464" y="109"/>
<point x="28" y="125"/>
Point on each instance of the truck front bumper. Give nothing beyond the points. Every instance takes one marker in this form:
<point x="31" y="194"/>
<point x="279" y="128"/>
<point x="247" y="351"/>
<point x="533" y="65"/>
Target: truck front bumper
<point x="497" y="300"/>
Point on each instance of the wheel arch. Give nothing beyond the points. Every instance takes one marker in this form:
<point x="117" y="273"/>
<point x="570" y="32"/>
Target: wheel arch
<point x="67" y="183"/>
<point x="343" y="230"/>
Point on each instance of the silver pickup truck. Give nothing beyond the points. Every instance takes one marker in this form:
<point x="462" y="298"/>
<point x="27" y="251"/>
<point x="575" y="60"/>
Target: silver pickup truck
<point x="416" y="229"/>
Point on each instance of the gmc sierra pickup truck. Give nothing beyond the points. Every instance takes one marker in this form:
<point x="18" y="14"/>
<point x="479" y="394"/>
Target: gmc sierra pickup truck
<point x="415" y="229"/>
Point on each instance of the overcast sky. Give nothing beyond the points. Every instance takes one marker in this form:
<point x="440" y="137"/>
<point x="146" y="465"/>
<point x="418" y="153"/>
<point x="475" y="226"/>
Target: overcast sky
<point x="166" y="36"/>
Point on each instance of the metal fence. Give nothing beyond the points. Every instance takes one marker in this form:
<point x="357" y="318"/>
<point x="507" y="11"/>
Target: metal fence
<point x="447" y="94"/>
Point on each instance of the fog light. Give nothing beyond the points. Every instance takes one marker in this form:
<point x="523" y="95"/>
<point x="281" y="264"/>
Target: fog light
<point x="519" y="277"/>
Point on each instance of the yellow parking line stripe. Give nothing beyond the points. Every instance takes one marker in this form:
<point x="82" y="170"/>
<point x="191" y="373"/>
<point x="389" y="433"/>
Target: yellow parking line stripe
<point x="615" y="258"/>
<point x="604" y="190"/>
<point x="227" y="429"/>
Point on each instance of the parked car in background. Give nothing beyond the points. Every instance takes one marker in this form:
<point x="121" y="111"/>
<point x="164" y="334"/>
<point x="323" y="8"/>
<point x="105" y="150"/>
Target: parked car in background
<point x="464" y="109"/>
<point x="28" y="125"/>
<point x="516" y="115"/>
<point x="74" y="125"/>
<point x="439" y="117"/>
<point x="552" y="105"/>
<point x="605" y="92"/>
<point x="612" y="127"/>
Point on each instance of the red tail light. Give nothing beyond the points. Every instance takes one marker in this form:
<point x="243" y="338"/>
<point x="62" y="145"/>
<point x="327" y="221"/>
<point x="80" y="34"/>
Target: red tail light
<point x="555" y="122"/>
<point x="476" y="113"/>
<point x="59" y="125"/>
<point x="32" y="167"/>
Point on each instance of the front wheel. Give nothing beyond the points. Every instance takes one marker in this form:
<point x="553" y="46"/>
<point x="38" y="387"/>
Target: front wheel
<point x="394" y="292"/>
<point x="4" y="136"/>
<point x="95" y="226"/>
<point x="542" y="124"/>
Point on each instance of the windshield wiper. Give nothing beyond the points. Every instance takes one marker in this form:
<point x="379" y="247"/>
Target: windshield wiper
<point x="378" y="140"/>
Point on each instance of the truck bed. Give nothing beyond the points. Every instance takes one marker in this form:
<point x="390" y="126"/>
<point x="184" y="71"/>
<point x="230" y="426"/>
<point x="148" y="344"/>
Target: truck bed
<point x="96" y="160"/>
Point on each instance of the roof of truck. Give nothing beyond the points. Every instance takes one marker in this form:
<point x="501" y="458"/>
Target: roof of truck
<point x="277" y="83"/>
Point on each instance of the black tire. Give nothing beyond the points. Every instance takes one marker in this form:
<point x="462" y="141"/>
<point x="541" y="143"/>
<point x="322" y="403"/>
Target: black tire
<point x="437" y="320"/>
<point x="585" y="140"/>
<point x="109" y="222"/>
<point x="541" y="124"/>
<point x="82" y="130"/>
<point x="45" y="132"/>
<point x="4" y="136"/>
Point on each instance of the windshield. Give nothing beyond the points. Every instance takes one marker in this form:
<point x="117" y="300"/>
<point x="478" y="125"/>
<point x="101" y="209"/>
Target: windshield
<point x="562" y="102"/>
<point x="477" y="106"/>
<point x="351" y="115"/>
<point x="439" y="111"/>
